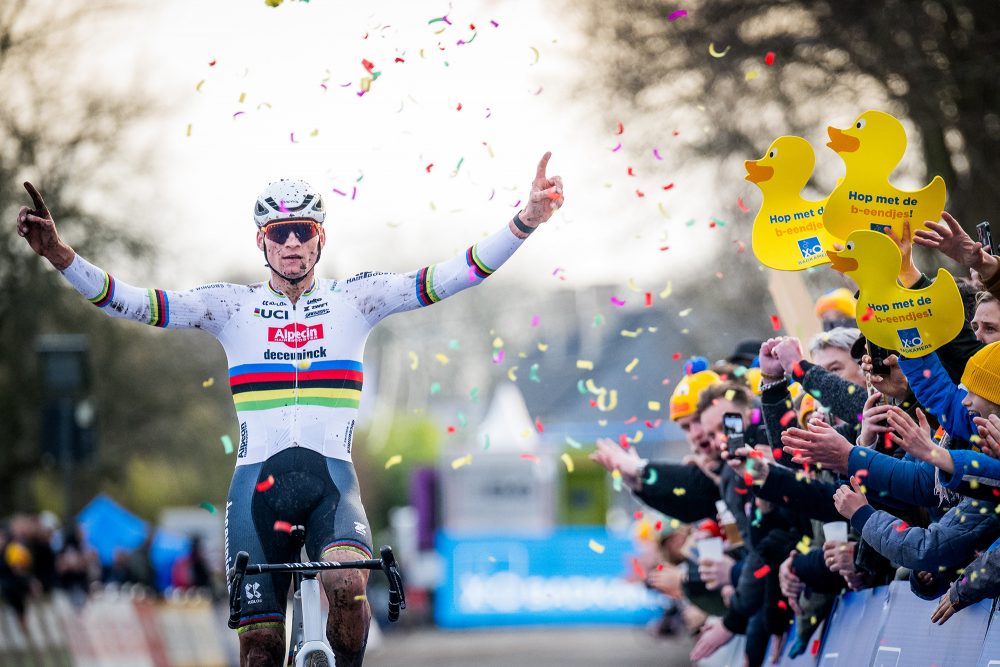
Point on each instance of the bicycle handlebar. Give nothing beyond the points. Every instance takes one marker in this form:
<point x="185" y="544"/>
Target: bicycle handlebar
<point x="242" y="567"/>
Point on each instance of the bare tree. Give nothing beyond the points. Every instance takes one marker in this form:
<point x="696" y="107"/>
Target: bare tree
<point x="931" y="62"/>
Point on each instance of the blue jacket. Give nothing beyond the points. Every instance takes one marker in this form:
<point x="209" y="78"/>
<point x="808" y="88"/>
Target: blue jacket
<point x="907" y="481"/>
<point x="965" y="529"/>
<point x="971" y="464"/>
<point x="938" y="394"/>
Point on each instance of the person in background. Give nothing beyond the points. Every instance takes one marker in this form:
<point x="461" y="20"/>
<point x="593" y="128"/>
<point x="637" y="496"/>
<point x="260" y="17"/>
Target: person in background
<point x="837" y="308"/>
<point x="191" y="570"/>
<point x="77" y="565"/>
<point x="986" y="320"/>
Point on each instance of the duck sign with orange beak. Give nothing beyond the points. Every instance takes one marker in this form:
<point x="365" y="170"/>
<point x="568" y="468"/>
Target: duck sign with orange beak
<point x="788" y="232"/>
<point x="865" y="199"/>
<point x="915" y="322"/>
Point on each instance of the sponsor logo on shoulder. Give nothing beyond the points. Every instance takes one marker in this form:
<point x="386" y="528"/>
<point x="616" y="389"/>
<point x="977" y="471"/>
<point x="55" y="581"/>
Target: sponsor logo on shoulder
<point x="360" y="529"/>
<point x="212" y="286"/>
<point x="295" y="335"/>
<point x="366" y="274"/>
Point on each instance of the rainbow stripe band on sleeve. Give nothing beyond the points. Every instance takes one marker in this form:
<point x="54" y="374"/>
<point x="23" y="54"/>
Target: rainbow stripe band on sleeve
<point x="425" y="286"/>
<point x="159" y="308"/>
<point x="107" y="292"/>
<point x="476" y="264"/>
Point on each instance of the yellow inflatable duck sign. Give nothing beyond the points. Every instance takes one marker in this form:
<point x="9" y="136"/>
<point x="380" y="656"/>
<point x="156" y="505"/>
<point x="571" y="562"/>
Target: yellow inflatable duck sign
<point x="914" y="322"/>
<point x="864" y="199"/>
<point x="788" y="231"/>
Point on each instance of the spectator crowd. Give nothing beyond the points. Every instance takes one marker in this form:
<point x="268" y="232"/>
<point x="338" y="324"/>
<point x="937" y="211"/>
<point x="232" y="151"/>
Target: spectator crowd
<point x="37" y="557"/>
<point x="857" y="467"/>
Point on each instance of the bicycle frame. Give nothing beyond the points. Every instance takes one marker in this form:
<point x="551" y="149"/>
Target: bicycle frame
<point x="307" y="623"/>
<point x="306" y="617"/>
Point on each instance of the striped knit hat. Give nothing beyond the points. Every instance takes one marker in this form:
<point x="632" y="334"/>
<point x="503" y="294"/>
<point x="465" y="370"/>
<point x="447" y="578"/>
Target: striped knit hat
<point x="982" y="373"/>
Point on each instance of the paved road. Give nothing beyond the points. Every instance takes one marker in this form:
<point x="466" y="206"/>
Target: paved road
<point x="547" y="647"/>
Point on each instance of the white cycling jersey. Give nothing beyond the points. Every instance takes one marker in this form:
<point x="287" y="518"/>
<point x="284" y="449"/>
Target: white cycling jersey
<point x="295" y="370"/>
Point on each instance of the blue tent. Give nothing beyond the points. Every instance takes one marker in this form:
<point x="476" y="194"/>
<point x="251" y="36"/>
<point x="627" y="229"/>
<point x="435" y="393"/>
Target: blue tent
<point x="109" y="527"/>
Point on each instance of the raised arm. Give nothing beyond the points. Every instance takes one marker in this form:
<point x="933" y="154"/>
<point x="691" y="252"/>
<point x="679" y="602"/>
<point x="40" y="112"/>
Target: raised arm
<point x="206" y="307"/>
<point x="378" y="295"/>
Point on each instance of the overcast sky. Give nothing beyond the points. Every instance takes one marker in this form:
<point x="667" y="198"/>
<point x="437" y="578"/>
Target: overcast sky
<point x="298" y="69"/>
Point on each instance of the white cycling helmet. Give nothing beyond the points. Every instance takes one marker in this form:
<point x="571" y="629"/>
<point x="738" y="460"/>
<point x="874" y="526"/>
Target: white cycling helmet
<point x="288" y="199"/>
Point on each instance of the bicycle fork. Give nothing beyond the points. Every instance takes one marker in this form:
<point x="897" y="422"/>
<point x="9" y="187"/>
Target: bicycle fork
<point x="307" y="623"/>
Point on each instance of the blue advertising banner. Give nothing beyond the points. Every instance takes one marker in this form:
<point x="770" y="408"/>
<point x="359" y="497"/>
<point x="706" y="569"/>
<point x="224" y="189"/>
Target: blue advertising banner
<point x="576" y="575"/>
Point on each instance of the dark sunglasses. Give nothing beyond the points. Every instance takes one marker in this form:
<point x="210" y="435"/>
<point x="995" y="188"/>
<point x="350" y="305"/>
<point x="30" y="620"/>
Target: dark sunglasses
<point x="304" y="230"/>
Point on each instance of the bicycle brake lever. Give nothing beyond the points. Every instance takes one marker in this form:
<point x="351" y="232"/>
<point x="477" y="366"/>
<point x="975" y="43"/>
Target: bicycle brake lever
<point x="235" y="578"/>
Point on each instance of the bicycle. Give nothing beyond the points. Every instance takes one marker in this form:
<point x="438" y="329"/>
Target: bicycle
<point x="308" y="640"/>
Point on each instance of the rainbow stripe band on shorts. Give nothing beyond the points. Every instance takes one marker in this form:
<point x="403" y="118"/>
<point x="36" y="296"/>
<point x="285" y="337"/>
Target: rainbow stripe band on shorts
<point x="347" y="545"/>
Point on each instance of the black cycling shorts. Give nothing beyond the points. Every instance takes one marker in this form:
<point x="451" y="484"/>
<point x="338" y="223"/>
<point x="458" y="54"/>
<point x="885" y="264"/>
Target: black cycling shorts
<point x="309" y="489"/>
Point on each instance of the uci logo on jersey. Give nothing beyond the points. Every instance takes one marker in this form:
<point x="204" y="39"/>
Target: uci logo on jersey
<point x="909" y="338"/>
<point x="268" y="314"/>
<point x="810" y="247"/>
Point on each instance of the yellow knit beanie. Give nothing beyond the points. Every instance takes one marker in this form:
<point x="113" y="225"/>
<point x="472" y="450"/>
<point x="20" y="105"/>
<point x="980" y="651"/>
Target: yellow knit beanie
<point x="840" y="300"/>
<point x="982" y="373"/>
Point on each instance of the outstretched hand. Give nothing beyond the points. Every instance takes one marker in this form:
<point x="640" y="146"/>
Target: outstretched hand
<point x="954" y="242"/>
<point x="36" y="226"/>
<point x="610" y="455"/>
<point x="821" y="444"/>
<point x="546" y="195"/>
<point x="849" y="499"/>
<point x="915" y="438"/>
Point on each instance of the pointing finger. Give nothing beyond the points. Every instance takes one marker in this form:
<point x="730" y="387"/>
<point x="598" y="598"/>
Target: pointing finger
<point x="542" y="164"/>
<point x="36" y="200"/>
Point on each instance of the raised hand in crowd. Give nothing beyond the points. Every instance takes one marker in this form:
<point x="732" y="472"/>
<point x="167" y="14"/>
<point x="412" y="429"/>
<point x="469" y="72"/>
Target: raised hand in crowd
<point x="819" y="445"/>
<point x="908" y="272"/>
<point x="989" y="434"/>
<point x="770" y="367"/>
<point x="895" y="384"/>
<point x="788" y="352"/>
<point x="873" y="420"/>
<point x="752" y="461"/>
<point x="789" y="582"/>
<point x="715" y="573"/>
<point x="914" y="437"/>
<point x="849" y="499"/>
<point x="953" y="241"/>
<point x="613" y="457"/>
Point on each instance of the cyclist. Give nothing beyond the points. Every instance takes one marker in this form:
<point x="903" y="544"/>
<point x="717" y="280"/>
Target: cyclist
<point x="294" y="346"/>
